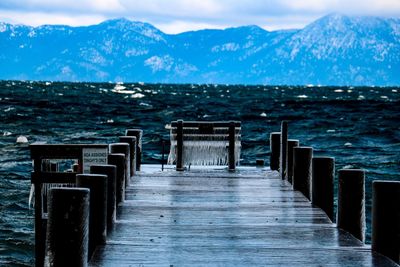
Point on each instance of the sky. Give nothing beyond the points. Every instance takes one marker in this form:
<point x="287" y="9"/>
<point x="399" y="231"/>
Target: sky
<point x="175" y="16"/>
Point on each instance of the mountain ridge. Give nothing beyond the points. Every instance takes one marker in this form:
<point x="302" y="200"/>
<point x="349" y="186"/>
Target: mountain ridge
<point x="333" y="50"/>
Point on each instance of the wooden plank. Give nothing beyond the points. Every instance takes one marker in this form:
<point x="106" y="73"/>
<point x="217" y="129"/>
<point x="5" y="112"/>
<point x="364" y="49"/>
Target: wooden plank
<point x="215" y="218"/>
<point x="214" y="123"/>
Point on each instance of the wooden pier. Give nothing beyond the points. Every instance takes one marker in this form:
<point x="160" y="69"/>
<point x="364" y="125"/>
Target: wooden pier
<point x="212" y="217"/>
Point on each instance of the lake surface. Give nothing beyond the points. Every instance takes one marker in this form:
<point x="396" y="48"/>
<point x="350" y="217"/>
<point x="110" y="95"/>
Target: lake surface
<point x="358" y="126"/>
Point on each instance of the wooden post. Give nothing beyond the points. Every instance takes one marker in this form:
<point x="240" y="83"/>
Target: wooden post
<point x="386" y="218"/>
<point x="302" y="169"/>
<point x="323" y="174"/>
<point x="275" y="149"/>
<point x="162" y="155"/>
<point x="259" y="163"/>
<point x="179" y="146"/>
<point x="231" y="149"/>
<point x="111" y="172"/>
<point x="97" y="183"/>
<point x="124" y="149"/>
<point x="40" y="225"/>
<point x="131" y="140"/>
<point x="118" y="160"/>
<point x="289" y="172"/>
<point x="75" y="167"/>
<point x="138" y="134"/>
<point x="351" y="202"/>
<point x="283" y="149"/>
<point x="67" y="227"/>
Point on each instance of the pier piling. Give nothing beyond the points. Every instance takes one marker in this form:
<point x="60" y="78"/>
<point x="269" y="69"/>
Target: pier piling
<point x="283" y="149"/>
<point x="138" y="134"/>
<point x="131" y="140"/>
<point x="289" y="158"/>
<point x="231" y="153"/>
<point x="302" y="159"/>
<point x="123" y="148"/>
<point x="386" y="218"/>
<point x="118" y="160"/>
<point x="351" y="202"/>
<point x="97" y="183"/>
<point x="323" y="174"/>
<point x="179" y="146"/>
<point x="111" y="172"/>
<point x="67" y="227"/>
<point x="275" y="148"/>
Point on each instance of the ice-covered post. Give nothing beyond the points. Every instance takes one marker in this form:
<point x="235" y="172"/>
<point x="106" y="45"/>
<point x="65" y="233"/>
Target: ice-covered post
<point x="275" y="148"/>
<point x="138" y="134"/>
<point x="351" y="202"/>
<point x="323" y="174"/>
<point x="97" y="183"/>
<point x="290" y="145"/>
<point x="386" y="218"/>
<point x="179" y="145"/>
<point x="231" y="153"/>
<point x="283" y="149"/>
<point x="67" y="227"/>
<point x="111" y="172"/>
<point x="302" y="169"/>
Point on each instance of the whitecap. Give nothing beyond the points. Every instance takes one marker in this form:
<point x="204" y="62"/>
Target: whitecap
<point x="361" y="97"/>
<point x="110" y="121"/>
<point x="384" y="97"/>
<point x="263" y="114"/>
<point x="137" y="95"/>
<point x="22" y="139"/>
<point x="119" y="87"/>
<point x="338" y="91"/>
<point x="394" y="90"/>
<point x="144" y="104"/>
<point x="302" y="96"/>
<point x="331" y="131"/>
<point x="348" y="144"/>
<point x="7" y="133"/>
<point x="348" y="167"/>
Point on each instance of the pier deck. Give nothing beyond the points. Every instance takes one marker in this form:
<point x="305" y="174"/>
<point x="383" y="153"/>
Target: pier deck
<point x="210" y="217"/>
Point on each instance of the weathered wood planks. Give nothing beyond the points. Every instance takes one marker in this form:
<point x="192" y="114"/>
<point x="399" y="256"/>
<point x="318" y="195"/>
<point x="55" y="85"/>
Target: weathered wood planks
<point x="215" y="218"/>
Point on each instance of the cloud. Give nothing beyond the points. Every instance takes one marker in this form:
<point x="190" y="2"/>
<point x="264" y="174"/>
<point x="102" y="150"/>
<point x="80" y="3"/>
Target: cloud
<point x="174" y="16"/>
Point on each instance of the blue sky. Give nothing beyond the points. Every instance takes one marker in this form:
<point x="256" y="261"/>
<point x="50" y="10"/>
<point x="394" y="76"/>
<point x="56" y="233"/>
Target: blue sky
<point x="174" y="16"/>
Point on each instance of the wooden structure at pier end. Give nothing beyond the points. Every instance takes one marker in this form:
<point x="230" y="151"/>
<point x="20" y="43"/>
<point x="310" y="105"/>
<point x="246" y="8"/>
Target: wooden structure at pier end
<point x="109" y="209"/>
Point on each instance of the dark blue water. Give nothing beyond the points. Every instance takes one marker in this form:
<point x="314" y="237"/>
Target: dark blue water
<point x="358" y="126"/>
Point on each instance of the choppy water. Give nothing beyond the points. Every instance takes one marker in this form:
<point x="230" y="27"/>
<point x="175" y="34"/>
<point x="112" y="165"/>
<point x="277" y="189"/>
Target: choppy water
<point x="358" y="126"/>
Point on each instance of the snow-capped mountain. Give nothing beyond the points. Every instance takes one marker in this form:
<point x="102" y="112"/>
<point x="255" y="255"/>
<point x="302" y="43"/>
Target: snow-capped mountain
<point x="334" y="50"/>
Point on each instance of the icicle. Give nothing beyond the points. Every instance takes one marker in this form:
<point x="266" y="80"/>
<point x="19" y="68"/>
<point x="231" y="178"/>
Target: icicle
<point x="31" y="201"/>
<point x="204" y="149"/>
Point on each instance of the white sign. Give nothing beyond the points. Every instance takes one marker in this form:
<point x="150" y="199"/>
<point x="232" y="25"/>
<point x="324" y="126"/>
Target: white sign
<point x="93" y="156"/>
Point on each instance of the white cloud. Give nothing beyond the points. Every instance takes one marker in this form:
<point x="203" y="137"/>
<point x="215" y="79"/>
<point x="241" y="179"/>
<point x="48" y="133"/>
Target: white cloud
<point x="175" y="16"/>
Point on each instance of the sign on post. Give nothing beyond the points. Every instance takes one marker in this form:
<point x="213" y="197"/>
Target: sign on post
<point x="93" y="156"/>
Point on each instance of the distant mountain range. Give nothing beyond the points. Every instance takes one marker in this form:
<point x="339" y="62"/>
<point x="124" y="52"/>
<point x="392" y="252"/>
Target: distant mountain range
<point x="334" y="50"/>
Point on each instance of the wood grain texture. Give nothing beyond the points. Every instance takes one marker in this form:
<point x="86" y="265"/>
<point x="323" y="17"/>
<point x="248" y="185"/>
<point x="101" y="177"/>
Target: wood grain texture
<point x="211" y="217"/>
